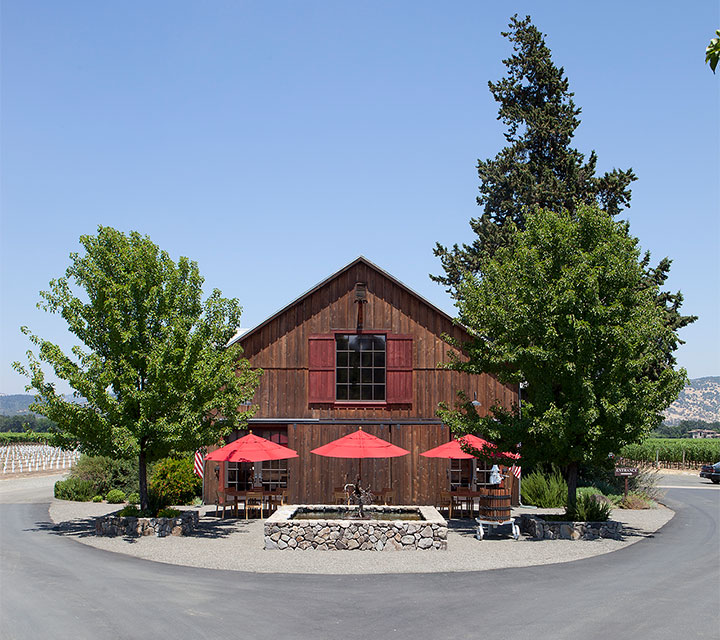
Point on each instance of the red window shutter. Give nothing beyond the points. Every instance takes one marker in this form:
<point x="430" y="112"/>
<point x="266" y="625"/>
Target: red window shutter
<point x="399" y="369"/>
<point x="321" y="369"/>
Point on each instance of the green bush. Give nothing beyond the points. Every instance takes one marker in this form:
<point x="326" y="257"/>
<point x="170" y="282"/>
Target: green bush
<point x="97" y="499"/>
<point x="637" y="501"/>
<point x="134" y="498"/>
<point x="74" y="489"/>
<point x="168" y="513"/>
<point x="131" y="511"/>
<point x="590" y="509"/>
<point x="115" y="496"/>
<point x="106" y="473"/>
<point x="544" y="490"/>
<point x="613" y="499"/>
<point x="173" y="481"/>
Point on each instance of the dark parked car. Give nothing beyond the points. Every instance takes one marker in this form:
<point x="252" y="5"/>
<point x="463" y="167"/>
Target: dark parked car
<point x="711" y="472"/>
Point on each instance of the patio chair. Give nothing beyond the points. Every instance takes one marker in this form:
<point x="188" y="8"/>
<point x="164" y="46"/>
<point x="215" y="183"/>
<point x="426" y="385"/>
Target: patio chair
<point x="254" y="501"/>
<point x="340" y="496"/>
<point x="446" y="502"/>
<point x="221" y="500"/>
<point x="388" y="495"/>
<point x="277" y="499"/>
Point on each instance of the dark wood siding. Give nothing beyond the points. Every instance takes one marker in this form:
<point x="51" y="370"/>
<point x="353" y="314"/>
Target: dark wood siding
<point x="417" y="480"/>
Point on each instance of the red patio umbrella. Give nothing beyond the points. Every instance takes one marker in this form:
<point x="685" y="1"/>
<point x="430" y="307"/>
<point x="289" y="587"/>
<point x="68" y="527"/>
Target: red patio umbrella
<point x="453" y="449"/>
<point x="251" y="448"/>
<point x="360" y="445"/>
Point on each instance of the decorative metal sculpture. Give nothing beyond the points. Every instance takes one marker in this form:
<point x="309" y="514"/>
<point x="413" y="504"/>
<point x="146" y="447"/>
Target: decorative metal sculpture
<point x="359" y="496"/>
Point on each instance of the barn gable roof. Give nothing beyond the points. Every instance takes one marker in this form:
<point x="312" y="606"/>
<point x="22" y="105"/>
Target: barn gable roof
<point x="359" y="260"/>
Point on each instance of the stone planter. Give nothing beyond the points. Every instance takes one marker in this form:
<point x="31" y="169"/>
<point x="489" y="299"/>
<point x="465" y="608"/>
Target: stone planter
<point x="325" y="534"/>
<point x="540" y="529"/>
<point x="115" y="525"/>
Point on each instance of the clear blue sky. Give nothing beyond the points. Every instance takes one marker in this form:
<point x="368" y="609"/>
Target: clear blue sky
<point x="274" y="142"/>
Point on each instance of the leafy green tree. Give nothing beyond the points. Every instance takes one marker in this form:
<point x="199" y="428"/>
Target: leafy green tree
<point x="540" y="168"/>
<point x="154" y="368"/>
<point x="562" y="309"/>
<point x="712" y="51"/>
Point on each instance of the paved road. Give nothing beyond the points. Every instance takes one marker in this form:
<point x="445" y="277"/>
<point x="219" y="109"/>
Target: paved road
<point x="667" y="587"/>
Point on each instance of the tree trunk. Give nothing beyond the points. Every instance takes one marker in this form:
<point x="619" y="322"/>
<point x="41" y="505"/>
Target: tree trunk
<point x="572" y="473"/>
<point x="142" y="474"/>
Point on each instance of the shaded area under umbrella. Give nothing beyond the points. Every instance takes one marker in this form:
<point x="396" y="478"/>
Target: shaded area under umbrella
<point x="360" y="444"/>
<point x="251" y="448"/>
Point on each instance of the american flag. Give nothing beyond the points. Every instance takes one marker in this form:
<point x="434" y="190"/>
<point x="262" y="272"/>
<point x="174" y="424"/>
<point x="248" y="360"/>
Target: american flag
<point x="516" y="471"/>
<point x="199" y="466"/>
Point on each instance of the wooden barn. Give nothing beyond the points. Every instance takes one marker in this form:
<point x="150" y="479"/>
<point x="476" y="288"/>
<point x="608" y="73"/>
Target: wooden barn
<point x="360" y="349"/>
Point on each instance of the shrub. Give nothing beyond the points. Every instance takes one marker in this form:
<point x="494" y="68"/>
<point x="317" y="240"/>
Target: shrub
<point x="590" y="508"/>
<point x="106" y="473"/>
<point x="544" y="490"/>
<point x="115" y="496"/>
<point x="97" y="499"/>
<point x="168" y="513"/>
<point x="173" y="481"/>
<point x="156" y="501"/>
<point x="74" y="489"/>
<point x="636" y="501"/>
<point x="134" y="498"/>
<point x="131" y="511"/>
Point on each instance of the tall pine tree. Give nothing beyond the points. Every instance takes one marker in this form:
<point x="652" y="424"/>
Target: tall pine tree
<point x="540" y="169"/>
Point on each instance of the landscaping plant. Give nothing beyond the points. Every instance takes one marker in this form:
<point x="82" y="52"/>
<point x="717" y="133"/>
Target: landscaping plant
<point x="106" y="473"/>
<point x="74" y="489"/>
<point x="174" y="481"/>
<point x="168" y="513"/>
<point x="544" y="490"/>
<point x="115" y="496"/>
<point x="589" y="509"/>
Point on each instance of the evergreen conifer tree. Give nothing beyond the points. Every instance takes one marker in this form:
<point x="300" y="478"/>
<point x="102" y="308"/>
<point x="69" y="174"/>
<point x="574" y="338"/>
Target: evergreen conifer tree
<point x="540" y="169"/>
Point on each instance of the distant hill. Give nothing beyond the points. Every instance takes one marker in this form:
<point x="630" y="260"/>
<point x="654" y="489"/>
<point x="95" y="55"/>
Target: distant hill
<point x="19" y="404"/>
<point x="699" y="400"/>
<point x="13" y="405"/>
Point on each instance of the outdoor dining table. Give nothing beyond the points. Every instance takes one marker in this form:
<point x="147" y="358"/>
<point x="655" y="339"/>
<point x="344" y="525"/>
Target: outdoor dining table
<point x="270" y="498"/>
<point x="461" y="499"/>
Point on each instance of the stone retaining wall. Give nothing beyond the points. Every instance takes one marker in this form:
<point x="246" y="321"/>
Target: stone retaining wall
<point x="115" y="525"/>
<point x="281" y="532"/>
<point x="540" y="529"/>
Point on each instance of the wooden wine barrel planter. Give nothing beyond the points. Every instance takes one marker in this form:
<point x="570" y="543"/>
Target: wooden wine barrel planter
<point x="495" y="504"/>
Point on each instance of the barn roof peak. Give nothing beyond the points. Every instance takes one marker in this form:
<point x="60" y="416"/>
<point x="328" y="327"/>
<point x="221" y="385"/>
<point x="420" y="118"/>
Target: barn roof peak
<point x="244" y="333"/>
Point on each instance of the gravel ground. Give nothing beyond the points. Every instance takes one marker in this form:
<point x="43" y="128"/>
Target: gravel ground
<point x="237" y="545"/>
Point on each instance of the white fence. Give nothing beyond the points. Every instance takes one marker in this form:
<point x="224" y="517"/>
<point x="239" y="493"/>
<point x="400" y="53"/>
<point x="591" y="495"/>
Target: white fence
<point x="26" y="458"/>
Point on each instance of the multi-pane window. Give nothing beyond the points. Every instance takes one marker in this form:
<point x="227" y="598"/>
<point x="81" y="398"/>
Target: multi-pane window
<point x="270" y="474"/>
<point x="359" y="367"/>
<point x="469" y="473"/>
